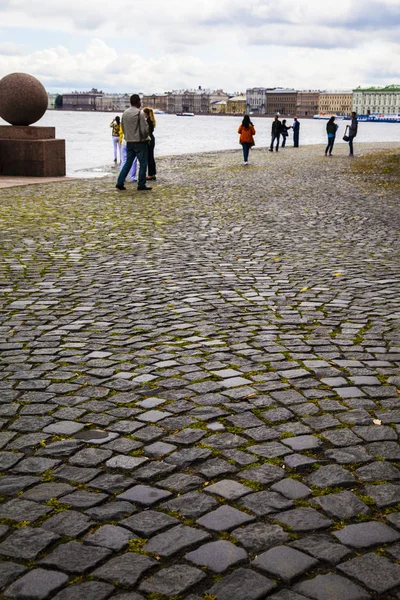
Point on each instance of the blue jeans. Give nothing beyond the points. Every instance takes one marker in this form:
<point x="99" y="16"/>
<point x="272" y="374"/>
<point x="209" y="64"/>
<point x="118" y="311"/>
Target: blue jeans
<point x="351" y="138"/>
<point x="329" y="148"/>
<point x="246" y="148"/>
<point x="296" y="139"/>
<point x="283" y="140"/>
<point x="133" y="150"/>
<point x="273" y="138"/>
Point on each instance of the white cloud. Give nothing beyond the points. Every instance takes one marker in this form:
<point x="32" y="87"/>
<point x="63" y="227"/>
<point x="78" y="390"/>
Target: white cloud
<point x="230" y="43"/>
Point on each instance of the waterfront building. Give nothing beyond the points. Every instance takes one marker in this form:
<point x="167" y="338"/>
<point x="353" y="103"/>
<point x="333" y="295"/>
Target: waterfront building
<point x="112" y="102"/>
<point x="81" y="100"/>
<point x="51" y="98"/>
<point x="256" y="100"/>
<point x="307" y="103"/>
<point x="335" y="103"/>
<point x="156" y="101"/>
<point x="384" y="100"/>
<point x="281" y="101"/>
<point x="236" y="105"/>
<point x="218" y="108"/>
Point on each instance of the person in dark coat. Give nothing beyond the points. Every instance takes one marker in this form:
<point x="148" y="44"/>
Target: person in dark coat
<point x="296" y="132"/>
<point x="151" y="122"/>
<point x="352" y="132"/>
<point x="331" y="129"/>
<point x="285" y="129"/>
<point x="276" y="130"/>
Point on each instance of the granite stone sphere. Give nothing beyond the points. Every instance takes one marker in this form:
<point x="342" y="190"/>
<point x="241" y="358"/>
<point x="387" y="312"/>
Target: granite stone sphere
<point x="23" y="99"/>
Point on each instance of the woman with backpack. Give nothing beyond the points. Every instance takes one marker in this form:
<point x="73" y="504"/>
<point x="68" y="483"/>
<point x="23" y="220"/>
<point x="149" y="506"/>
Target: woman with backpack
<point x="247" y="133"/>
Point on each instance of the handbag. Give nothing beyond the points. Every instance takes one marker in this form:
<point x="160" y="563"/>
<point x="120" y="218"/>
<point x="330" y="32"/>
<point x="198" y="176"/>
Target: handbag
<point x="346" y="137"/>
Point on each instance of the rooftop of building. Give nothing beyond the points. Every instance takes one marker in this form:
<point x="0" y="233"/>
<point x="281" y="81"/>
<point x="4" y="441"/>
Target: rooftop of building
<point x="388" y="88"/>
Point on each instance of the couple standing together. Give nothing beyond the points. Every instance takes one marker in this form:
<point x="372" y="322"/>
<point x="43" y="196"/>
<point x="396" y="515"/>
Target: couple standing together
<point x="138" y="133"/>
<point x="279" y="129"/>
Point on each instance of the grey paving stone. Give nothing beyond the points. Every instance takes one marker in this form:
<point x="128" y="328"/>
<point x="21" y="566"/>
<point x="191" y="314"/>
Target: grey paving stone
<point x="180" y="482"/>
<point x="224" y="518"/>
<point x="284" y="562"/>
<point x="9" y="459"/>
<point x="191" y="505"/>
<point x="23" y="510"/>
<point x="229" y="489"/>
<point x="265" y="503"/>
<point x="260" y="536"/>
<point x="175" y="540"/>
<point x="287" y="595"/>
<point x="111" y="482"/>
<point x="112" y="511"/>
<point x="349" y="455"/>
<point x="36" y="465"/>
<point x="304" y="519"/>
<point x="269" y="450"/>
<point x="292" y="489"/>
<point x="215" y="466"/>
<point x="126" y="463"/>
<point x="331" y="587"/>
<point x="224" y="441"/>
<point x="364" y="535"/>
<point x="75" y="558"/>
<point x="374" y="433"/>
<point x="68" y="522"/>
<point x="27" y="543"/>
<point x="375" y="572"/>
<point x="63" y="428"/>
<point x="109" y="536"/>
<point x="323" y="547"/>
<point x="378" y="471"/>
<point x="60" y="449"/>
<point x="144" y="495"/>
<point x="90" y="590"/>
<point x="217" y="556"/>
<point x="82" y="499"/>
<point x="242" y="584"/>
<point x="78" y="474"/>
<point x="9" y="571"/>
<point x="188" y="456"/>
<point x="264" y="474"/>
<point x="149" y="522"/>
<point x="388" y="450"/>
<point x="344" y="505"/>
<point x="302" y="442"/>
<point x="90" y="457"/>
<point x="45" y="491"/>
<point x="38" y="584"/>
<point x="172" y="581"/>
<point x="394" y="518"/>
<point x="384" y="494"/>
<point x="125" y="569"/>
<point x="331" y="476"/>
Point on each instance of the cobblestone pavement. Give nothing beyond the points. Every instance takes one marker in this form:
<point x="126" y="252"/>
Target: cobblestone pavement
<point x="199" y="387"/>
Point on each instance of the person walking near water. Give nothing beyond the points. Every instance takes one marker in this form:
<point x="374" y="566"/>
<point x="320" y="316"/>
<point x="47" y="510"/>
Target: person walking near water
<point x="285" y="129"/>
<point x="247" y="133"/>
<point x="136" y="133"/>
<point x="275" y="133"/>
<point x="352" y="132"/>
<point x="331" y="129"/>
<point x="151" y="122"/>
<point x="115" y="133"/>
<point x="296" y="132"/>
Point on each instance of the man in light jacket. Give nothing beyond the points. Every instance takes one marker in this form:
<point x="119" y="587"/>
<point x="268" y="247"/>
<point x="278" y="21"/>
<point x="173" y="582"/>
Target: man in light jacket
<point x="136" y="133"/>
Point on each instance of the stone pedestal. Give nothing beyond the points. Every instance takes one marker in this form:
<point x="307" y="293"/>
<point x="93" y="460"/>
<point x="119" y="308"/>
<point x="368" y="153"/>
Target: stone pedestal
<point x="31" y="152"/>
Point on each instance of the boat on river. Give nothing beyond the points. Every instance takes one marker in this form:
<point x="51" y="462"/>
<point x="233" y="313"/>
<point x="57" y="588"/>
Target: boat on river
<point x="184" y="114"/>
<point x="376" y="118"/>
<point x="327" y="117"/>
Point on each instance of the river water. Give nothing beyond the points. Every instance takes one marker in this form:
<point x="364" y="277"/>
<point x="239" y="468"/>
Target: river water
<point x="89" y="144"/>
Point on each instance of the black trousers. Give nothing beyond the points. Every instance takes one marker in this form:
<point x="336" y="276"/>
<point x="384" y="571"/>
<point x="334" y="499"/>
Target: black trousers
<point x="151" y="160"/>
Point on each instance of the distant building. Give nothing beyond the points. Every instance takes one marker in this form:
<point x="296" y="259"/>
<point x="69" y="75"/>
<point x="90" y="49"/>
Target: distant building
<point x="81" y="100"/>
<point x="197" y="101"/>
<point x="256" y="100"/>
<point x="218" y="108"/>
<point x="372" y="100"/>
<point x="335" y="103"/>
<point x="51" y="98"/>
<point x="236" y="105"/>
<point x="156" y="101"/>
<point x="307" y="103"/>
<point x="281" y="101"/>
<point x="112" y="102"/>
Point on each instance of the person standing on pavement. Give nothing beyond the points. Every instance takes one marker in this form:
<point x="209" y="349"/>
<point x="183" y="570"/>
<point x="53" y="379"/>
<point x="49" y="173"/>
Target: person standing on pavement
<point x="285" y="129"/>
<point x="246" y="131"/>
<point x="137" y="135"/>
<point x="352" y="132"/>
<point x="275" y="133"/>
<point x="115" y="136"/>
<point x="331" y="129"/>
<point x="151" y="122"/>
<point x="296" y="132"/>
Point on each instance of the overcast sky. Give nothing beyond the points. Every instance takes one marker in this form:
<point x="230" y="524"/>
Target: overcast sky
<point x="160" y="45"/>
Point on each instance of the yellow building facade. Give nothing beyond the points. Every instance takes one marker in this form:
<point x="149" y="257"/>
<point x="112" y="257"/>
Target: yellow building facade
<point x="335" y="103"/>
<point x="236" y="105"/>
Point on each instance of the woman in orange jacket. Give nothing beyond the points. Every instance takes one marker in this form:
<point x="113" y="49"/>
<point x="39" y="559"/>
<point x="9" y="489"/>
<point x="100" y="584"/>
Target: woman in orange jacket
<point x="247" y="132"/>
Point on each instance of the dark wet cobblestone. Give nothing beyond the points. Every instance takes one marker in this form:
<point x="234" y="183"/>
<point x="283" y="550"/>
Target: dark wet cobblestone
<point x="200" y="387"/>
